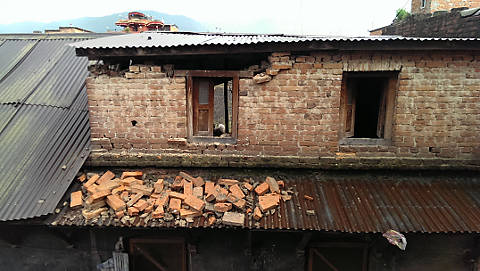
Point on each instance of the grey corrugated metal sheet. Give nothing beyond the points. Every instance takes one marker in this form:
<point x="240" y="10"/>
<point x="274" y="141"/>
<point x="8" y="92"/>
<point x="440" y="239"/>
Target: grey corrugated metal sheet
<point x="177" y="39"/>
<point x="45" y="134"/>
<point x="355" y="204"/>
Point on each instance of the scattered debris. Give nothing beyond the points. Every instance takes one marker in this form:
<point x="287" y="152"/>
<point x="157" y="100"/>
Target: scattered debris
<point x="307" y="197"/>
<point x="134" y="199"/>
<point x="396" y="238"/>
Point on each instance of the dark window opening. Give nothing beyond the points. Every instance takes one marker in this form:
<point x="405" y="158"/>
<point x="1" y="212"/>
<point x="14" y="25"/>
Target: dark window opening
<point x="422" y="5"/>
<point x="157" y="254"/>
<point x="367" y="103"/>
<point x="332" y="257"/>
<point x="368" y="93"/>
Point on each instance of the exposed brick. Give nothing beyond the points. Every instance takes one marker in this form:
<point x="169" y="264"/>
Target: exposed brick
<point x="159" y="212"/>
<point x="187" y="188"/>
<point x="76" y="199"/>
<point x="257" y="214"/>
<point x="262" y="189"/>
<point x="222" y="207"/>
<point x="236" y="191"/>
<point x="135" y="174"/>
<point x="227" y="181"/>
<point x="132" y="211"/>
<point x="175" y="204"/>
<point x="268" y="202"/>
<point x="115" y="203"/>
<point x="106" y="177"/>
<point x="92" y="214"/>
<point x="91" y="181"/>
<point x="194" y="202"/>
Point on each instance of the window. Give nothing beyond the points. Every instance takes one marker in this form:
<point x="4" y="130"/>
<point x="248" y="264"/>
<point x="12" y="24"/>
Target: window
<point x="423" y="3"/>
<point x="367" y="100"/>
<point x="212" y="106"/>
<point x="158" y="254"/>
<point x="331" y="256"/>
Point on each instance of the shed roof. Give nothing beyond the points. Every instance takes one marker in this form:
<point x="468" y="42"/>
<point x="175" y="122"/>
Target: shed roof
<point x="44" y="130"/>
<point x="178" y="43"/>
<point x="345" y="202"/>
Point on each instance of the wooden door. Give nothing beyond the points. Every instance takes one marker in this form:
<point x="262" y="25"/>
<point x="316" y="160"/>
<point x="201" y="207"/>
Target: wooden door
<point x="202" y="107"/>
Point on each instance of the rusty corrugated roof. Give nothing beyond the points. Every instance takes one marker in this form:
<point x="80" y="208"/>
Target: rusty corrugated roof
<point x="350" y="203"/>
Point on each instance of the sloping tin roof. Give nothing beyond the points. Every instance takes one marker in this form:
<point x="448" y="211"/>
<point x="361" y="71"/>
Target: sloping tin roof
<point x="348" y="203"/>
<point x="178" y="39"/>
<point x="44" y="130"/>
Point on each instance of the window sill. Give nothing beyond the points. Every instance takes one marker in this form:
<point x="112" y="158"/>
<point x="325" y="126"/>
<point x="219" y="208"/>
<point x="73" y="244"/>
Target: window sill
<point x="212" y="139"/>
<point x="366" y="141"/>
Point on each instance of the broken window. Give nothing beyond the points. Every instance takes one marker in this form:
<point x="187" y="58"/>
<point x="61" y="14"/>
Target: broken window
<point x="332" y="256"/>
<point x="158" y="254"/>
<point x="213" y="105"/>
<point x="367" y="104"/>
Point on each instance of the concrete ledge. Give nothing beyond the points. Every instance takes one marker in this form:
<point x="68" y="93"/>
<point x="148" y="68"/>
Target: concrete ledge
<point x="205" y="160"/>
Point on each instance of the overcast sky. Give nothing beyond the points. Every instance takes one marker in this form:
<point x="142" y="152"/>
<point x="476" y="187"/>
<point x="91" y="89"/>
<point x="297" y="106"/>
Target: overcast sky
<point x="341" y="17"/>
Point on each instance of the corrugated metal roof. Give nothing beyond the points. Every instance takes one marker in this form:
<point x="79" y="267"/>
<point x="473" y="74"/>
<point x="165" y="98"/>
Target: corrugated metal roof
<point x="354" y="204"/>
<point x="177" y="39"/>
<point x="44" y="130"/>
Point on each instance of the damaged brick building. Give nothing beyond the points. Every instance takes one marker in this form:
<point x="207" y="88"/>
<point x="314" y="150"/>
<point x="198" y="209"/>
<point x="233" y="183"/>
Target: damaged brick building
<point x="363" y="135"/>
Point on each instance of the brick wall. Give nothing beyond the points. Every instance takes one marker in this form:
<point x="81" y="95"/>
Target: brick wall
<point x="296" y="113"/>
<point x="447" y="24"/>
<point x="439" y="5"/>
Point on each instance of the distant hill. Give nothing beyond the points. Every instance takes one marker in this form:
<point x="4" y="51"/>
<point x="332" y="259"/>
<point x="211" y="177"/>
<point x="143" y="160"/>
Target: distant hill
<point x="103" y="24"/>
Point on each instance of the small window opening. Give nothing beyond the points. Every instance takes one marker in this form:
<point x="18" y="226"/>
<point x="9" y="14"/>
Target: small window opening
<point x="134" y="122"/>
<point x="423" y="3"/>
<point x="212" y="107"/>
<point x="367" y="104"/>
<point x="368" y="93"/>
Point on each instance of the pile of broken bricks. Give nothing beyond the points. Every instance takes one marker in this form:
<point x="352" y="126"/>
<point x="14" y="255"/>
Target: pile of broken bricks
<point x="179" y="199"/>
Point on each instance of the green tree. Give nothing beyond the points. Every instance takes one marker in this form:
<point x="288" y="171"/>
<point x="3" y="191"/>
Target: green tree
<point x="401" y="14"/>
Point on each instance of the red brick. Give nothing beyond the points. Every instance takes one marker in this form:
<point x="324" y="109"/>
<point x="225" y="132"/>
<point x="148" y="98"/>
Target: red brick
<point x="135" y="174"/>
<point x="222" y="207"/>
<point x="141" y="205"/>
<point x="209" y="187"/>
<point x="177" y="183"/>
<point x="307" y="197"/>
<point x="211" y="220"/>
<point x="240" y="203"/>
<point x="175" y="204"/>
<point x="134" y="199"/>
<point x="189" y="213"/>
<point x="187" y="188"/>
<point x="236" y="191"/>
<point x="99" y="195"/>
<point x="262" y="189"/>
<point x="76" y="199"/>
<point x="107" y="176"/>
<point x="198" y="192"/>
<point x="92" y="214"/>
<point x="268" y="202"/>
<point x="158" y="186"/>
<point x="159" y="212"/>
<point x="82" y="178"/>
<point x="248" y="186"/>
<point x="227" y="181"/>
<point x="162" y="200"/>
<point x="120" y="214"/>
<point x="257" y="214"/>
<point x="194" y="202"/>
<point x="115" y="203"/>
<point x="132" y="211"/>
<point x="177" y="195"/>
<point x="91" y="181"/>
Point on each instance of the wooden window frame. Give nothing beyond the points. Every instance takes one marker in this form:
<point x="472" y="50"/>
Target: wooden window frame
<point x="164" y="241"/>
<point x="347" y="127"/>
<point x="312" y="251"/>
<point x="190" y="75"/>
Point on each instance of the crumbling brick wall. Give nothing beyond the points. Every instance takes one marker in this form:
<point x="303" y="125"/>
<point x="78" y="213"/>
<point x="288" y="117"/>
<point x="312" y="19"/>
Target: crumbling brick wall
<point x="296" y="113"/>
<point x="441" y="24"/>
<point x="438" y="5"/>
